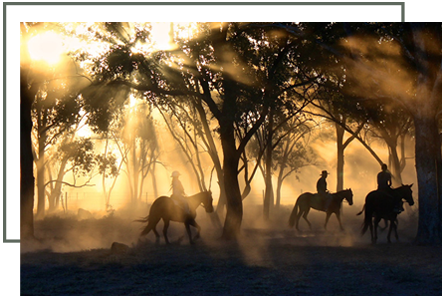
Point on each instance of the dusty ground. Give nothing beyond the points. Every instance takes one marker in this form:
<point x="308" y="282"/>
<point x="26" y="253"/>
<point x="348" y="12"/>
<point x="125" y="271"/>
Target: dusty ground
<point x="74" y="258"/>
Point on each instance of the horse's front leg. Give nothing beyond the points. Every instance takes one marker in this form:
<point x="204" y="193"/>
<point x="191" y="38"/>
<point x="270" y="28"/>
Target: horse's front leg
<point x="393" y="226"/>
<point x="327" y="217"/>
<point x="198" y="228"/>
<point x="189" y="233"/>
<point x="389" y="231"/>
<point x="338" y="216"/>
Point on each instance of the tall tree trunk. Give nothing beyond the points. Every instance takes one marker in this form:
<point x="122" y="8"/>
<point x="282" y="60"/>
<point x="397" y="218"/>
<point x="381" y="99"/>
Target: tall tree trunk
<point x="222" y="201"/>
<point x="395" y="165"/>
<point x="340" y="157"/>
<point x="136" y="171"/>
<point x="428" y="144"/>
<point x="212" y="149"/>
<point x="279" y="186"/>
<point x="27" y="180"/>
<point x="234" y="214"/>
<point x="41" y="196"/>
<point x="428" y="168"/>
<point x="154" y="181"/>
<point x="56" y="192"/>
<point x="268" y="170"/>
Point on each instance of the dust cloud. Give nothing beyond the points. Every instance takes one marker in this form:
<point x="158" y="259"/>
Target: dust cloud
<point x="86" y="225"/>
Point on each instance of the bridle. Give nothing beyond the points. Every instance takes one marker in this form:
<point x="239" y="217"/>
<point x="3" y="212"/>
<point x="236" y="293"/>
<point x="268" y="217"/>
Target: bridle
<point x="202" y="203"/>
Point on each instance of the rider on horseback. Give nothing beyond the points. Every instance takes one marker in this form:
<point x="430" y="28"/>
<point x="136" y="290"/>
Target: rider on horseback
<point x="321" y="187"/>
<point x="178" y="194"/>
<point x="384" y="185"/>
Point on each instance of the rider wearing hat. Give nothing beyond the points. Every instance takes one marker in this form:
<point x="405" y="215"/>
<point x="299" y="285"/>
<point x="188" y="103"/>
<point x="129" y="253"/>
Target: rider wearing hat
<point x="384" y="179"/>
<point x="178" y="194"/>
<point x="384" y="185"/>
<point x="321" y="187"/>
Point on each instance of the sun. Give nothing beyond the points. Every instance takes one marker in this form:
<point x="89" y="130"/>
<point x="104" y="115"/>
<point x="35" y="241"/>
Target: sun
<point x="47" y="47"/>
<point x="161" y="35"/>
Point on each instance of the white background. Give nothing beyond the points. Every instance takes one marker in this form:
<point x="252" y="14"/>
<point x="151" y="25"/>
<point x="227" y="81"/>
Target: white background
<point x="417" y="11"/>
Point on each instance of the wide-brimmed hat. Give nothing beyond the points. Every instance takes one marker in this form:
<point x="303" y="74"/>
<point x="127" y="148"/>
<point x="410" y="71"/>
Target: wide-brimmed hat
<point x="175" y="174"/>
<point x="324" y="173"/>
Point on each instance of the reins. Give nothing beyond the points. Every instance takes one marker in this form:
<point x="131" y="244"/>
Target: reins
<point x="201" y="202"/>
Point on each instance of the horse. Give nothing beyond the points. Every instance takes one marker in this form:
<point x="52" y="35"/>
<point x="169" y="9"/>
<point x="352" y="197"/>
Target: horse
<point x="165" y="208"/>
<point x="380" y="206"/>
<point x="309" y="200"/>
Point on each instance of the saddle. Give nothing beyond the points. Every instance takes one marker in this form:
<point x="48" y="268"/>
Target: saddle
<point x="397" y="203"/>
<point x="318" y="200"/>
<point x="181" y="204"/>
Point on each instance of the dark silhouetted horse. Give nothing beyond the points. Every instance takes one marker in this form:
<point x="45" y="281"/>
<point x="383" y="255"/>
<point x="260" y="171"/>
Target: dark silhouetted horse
<point x="309" y="200"/>
<point x="379" y="206"/>
<point x="165" y="208"/>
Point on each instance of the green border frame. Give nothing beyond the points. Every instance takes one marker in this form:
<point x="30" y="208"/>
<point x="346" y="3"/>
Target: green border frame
<point x="148" y="11"/>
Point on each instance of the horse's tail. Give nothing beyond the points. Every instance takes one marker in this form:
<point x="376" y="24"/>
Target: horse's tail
<point x="146" y="230"/>
<point x="294" y="214"/>
<point x="363" y="209"/>
<point x="367" y="220"/>
<point x="142" y="220"/>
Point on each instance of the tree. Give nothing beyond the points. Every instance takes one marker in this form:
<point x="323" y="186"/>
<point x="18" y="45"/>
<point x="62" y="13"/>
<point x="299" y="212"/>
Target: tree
<point x="409" y="49"/>
<point x="56" y="116"/>
<point x="108" y="170"/>
<point x="72" y="155"/>
<point x="27" y="180"/>
<point x="419" y="69"/>
<point x="292" y="151"/>
<point x="380" y="56"/>
<point x="139" y="140"/>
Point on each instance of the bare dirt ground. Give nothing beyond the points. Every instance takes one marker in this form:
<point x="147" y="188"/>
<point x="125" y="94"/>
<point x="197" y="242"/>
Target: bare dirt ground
<point x="74" y="258"/>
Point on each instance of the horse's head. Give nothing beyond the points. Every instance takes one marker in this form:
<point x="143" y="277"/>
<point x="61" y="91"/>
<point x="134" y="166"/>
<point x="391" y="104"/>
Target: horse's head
<point x="348" y="195"/>
<point x="406" y="193"/>
<point x="206" y="200"/>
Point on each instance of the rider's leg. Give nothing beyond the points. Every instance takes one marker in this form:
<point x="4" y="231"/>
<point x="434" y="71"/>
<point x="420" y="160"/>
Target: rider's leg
<point x="328" y="199"/>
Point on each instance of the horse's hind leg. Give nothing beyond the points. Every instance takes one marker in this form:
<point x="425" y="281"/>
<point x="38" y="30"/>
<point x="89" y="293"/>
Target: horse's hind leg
<point x="305" y="218"/>
<point x="375" y="230"/>
<point x="151" y="226"/>
<point x="371" y="231"/>
<point x="298" y="217"/>
<point x="165" y="227"/>
<point x="157" y="235"/>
